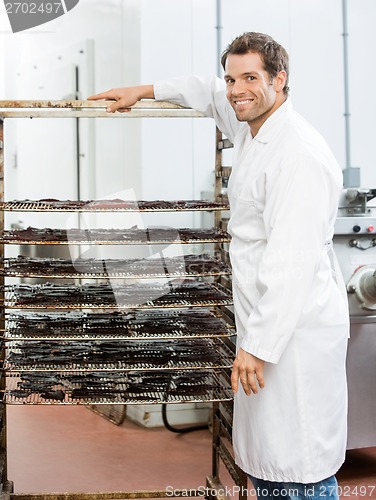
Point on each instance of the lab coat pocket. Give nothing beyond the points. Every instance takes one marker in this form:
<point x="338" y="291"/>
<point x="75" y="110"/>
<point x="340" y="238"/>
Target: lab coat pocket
<point x="246" y="221"/>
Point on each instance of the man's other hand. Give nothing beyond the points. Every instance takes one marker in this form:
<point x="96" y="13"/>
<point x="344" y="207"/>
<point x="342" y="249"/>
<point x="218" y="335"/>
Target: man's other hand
<point x="249" y="370"/>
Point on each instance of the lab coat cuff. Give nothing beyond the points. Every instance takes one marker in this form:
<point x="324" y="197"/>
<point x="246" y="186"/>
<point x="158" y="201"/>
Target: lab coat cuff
<point x="163" y="91"/>
<point x="259" y="352"/>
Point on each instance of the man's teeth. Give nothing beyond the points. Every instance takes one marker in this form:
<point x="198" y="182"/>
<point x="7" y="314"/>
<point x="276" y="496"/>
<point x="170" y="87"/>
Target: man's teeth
<point x="243" y="102"/>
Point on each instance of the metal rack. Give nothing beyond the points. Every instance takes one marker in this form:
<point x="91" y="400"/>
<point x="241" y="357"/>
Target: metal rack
<point x="64" y="387"/>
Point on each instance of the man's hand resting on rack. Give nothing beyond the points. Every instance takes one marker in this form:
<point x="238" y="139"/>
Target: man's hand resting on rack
<point x="249" y="370"/>
<point x="125" y="97"/>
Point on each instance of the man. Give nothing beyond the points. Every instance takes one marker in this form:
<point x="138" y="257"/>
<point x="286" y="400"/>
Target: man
<point x="290" y="301"/>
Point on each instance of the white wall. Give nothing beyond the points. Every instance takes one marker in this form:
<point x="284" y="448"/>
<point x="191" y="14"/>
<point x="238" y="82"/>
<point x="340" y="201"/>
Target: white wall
<point x="362" y="71"/>
<point x="138" y="41"/>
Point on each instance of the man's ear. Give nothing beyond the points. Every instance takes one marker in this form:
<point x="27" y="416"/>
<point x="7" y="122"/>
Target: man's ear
<point x="279" y="81"/>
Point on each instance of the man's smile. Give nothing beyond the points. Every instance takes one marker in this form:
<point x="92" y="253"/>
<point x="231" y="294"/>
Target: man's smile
<point x="242" y="102"/>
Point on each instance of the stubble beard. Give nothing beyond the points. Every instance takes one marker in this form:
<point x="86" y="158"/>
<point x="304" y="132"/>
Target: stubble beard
<point x="253" y="117"/>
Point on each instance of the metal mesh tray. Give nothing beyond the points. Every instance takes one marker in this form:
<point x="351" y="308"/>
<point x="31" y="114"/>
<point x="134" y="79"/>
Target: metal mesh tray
<point x="106" y="296"/>
<point x="101" y="236"/>
<point x="203" y="387"/>
<point x="174" y="267"/>
<point x="117" y="355"/>
<point x="134" y="325"/>
<point x="112" y="205"/>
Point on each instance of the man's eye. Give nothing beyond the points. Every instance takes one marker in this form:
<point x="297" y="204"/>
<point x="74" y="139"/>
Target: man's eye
<point x="229" y="82"/>
<point x="250" y="77"/>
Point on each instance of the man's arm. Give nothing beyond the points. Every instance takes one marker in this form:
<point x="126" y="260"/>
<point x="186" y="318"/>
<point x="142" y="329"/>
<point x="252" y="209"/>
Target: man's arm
<point x="125" y="97"/>
<point x="294" y="255"/>
<point x="205" y="94"/>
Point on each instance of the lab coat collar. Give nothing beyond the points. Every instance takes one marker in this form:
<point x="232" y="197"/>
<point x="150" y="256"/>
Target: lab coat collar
<point x="274" y="123"/>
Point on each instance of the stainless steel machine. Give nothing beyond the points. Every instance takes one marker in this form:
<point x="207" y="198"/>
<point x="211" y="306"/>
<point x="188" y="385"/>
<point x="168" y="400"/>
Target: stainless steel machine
<point x="355" y="247"/>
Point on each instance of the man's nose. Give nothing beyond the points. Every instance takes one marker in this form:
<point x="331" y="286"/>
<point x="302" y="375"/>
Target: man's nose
<point x="238" y="88"/>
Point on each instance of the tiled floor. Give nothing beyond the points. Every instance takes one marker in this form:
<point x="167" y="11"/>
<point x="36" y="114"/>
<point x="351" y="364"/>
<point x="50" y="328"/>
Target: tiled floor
<point x="72" y="449"/>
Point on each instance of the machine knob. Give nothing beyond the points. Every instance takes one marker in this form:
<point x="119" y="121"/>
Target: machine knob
<point x="356" y="228"/>
<point x="370" y="228"/>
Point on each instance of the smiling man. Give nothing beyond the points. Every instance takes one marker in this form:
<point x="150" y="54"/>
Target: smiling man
<point x="289" y="297"/>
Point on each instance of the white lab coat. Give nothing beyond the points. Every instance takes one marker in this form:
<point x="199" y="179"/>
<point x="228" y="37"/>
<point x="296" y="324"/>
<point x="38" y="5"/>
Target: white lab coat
<point x="290" y="304"/>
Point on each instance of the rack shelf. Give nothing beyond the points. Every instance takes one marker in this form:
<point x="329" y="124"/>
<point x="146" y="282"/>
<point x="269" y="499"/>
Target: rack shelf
<point x="111" y="206"/>
<point x="63" y="391"/>
<point x="183" y="266"/>
<point x="135" y="325"/>
<point x="106" y="296"/>
<point x="132" y="236"/>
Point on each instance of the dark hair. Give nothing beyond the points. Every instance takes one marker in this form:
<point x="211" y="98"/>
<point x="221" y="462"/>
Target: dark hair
<point x="273" y="55"/>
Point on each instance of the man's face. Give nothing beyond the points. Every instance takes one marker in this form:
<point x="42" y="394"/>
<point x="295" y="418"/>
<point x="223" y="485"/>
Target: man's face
<point x="250" y="90"/>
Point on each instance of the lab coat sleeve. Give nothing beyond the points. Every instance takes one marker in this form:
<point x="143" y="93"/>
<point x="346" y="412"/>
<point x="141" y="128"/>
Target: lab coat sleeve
<point x="205" y="94"/>
<point x="297" y="216"/>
